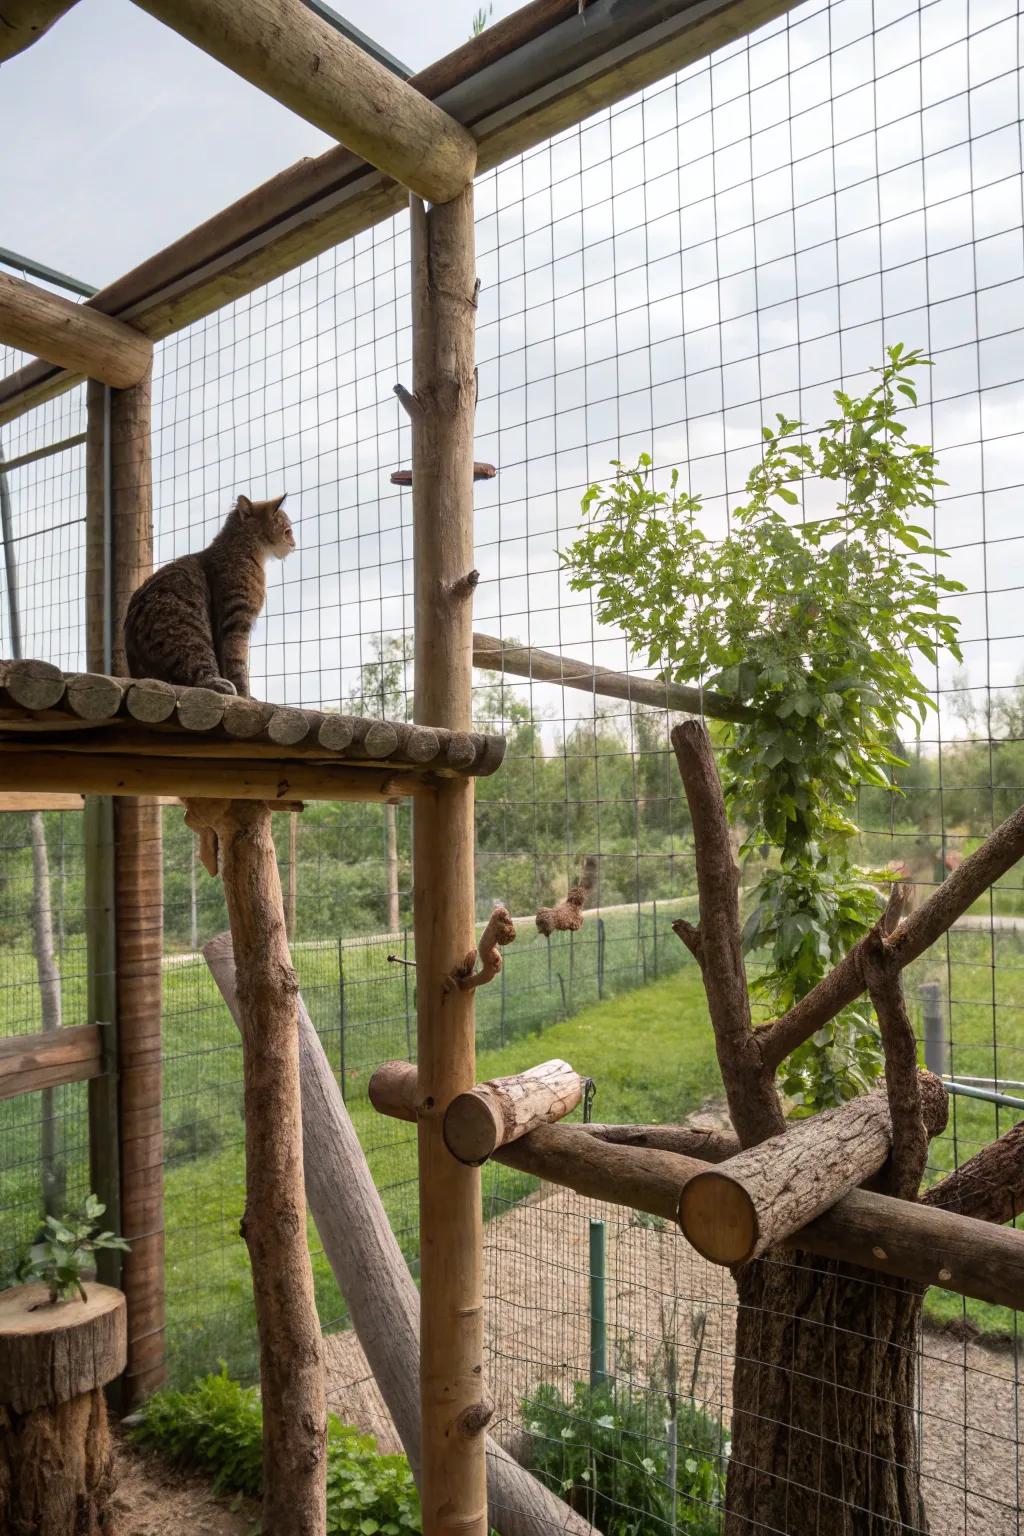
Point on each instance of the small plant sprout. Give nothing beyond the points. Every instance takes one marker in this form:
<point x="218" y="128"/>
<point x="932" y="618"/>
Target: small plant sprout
<point x="63" y="1253"/>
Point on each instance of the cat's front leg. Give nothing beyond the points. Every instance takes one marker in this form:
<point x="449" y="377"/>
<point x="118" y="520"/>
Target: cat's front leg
<point x="234" y="644"/>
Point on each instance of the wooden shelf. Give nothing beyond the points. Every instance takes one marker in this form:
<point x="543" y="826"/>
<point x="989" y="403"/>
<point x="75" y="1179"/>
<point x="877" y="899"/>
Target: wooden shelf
<point x="85" y="733"/>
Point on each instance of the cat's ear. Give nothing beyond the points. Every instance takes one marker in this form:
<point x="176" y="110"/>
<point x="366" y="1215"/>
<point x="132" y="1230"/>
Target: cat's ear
<point x="279" y="503"/>
<point x="243" y="506"/>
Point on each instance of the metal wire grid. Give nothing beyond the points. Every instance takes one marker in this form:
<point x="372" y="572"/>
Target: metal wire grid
<point x="737" y="241"/>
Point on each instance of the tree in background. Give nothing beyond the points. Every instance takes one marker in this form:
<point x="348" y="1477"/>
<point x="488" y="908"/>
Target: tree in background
<point x="812" y="624"/>
<point x="383" y="690"/>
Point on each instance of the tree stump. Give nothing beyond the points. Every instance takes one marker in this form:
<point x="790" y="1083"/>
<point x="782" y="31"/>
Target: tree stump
<point x="56" y="1458"/>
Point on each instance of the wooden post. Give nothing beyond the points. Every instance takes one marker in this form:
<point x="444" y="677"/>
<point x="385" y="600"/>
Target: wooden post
<point x="495" y="1113"/>
<point x="274" y="1225"/>
<point x="455" y="1409"/>
<point x="119" y="555"/>
<point x="56" y="1455"/>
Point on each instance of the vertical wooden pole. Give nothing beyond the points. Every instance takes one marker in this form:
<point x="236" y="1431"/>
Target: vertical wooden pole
<point x="274" y="1225"/>
<point x="454" y="1406"/>
<point x="119" y="555"/>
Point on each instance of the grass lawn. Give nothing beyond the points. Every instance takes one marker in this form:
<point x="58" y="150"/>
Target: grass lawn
<point x="649" y="1048"/>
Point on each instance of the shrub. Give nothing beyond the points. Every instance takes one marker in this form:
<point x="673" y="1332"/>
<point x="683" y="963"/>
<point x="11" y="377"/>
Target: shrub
<point x="606" y="1452"/>
<point x="217" y="1425"/>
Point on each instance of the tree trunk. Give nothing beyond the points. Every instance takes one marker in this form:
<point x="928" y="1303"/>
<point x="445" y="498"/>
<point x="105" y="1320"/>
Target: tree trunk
<point x="823" y="1425"/>
<point x="391" y="833"/>
<point x="274" y="1223"/>
<point x="51" y="1149"/>
<point x="56" y="1459"/>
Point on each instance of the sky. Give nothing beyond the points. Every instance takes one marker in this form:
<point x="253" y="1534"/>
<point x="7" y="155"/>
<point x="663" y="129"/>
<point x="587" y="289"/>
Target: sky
<point x="663" y="278"/>
<point x="127" y="136"/>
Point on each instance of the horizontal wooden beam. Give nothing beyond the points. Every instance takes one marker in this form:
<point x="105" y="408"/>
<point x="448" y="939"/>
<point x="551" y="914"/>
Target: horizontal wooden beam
<point x="759" y="1198"/>
<point x="118" y="773"/>
<point x="71" y="335"/>
<point x="530" y="76"/>
<point x="29" y="800"/>
<point x="893" y="1237"/>
<point x="294" y="55"/>
<point x="31" y="1062"/>
<point x="494" y="655"/>
<point x="24" y="22"/>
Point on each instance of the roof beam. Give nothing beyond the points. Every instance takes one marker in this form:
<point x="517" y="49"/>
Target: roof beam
<point x="71" y="335"/>
<point x="23" y="22"/>
<point x="296" y="56"/>
<point x="527" y="77"/>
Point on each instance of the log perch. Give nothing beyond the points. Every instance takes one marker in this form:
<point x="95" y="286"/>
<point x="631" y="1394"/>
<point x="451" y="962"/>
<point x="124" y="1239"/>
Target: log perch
<point x="761" y="1197"/>
<point x="567" y="917"/>
<point x="493" y="1114"/>
<point x="56" y="1455"/>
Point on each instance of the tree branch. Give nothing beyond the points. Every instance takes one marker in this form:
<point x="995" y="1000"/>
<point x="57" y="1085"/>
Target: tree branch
<point x="749" y="1088"/>
<point x="989" y="1186"/>
<point x="909" y="1154"/>
<point x="916" y="933"/>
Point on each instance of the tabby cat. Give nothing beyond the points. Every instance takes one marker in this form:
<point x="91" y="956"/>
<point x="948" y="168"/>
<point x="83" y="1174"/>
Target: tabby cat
<point x="190" y="622"/>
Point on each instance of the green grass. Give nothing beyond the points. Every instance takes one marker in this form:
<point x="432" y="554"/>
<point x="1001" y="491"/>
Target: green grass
<point x="649" y="1048"/>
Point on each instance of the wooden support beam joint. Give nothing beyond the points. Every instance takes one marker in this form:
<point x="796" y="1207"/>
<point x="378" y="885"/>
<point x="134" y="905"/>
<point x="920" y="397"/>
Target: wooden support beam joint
<point x="71" y="335"/>
<point x="487" y="1119"/>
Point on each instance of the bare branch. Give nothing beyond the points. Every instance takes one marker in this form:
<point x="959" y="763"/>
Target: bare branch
<point x="989" y="1186"/>
<point x="909" y="1155"/>
<point x="409" y="402"/>
<point x="567" y="917"/>
<point x="916" y="933"/>
<point x="750" y="1090"/>
<point x="690" y="935"/>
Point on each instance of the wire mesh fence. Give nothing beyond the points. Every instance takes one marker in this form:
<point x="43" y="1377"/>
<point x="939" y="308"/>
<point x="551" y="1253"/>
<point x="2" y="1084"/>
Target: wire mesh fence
<point x="738" y="241"/>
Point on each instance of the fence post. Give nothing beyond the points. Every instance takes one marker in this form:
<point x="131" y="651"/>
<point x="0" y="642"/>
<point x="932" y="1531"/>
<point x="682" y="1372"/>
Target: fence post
<point x="405" y="993"/>
<point x="654" y="939"/>
<point x="936" y="1047"/>
<point x="598" y="1328"/>
<point x="341" y="1015"/>
<point x="600" y="958"/>
<point x="503" y="973"/>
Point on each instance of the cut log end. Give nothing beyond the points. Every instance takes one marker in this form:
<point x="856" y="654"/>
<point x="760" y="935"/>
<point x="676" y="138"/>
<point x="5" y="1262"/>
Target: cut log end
<point x="471" y="1132"/>
<point x="719" y="1218"/>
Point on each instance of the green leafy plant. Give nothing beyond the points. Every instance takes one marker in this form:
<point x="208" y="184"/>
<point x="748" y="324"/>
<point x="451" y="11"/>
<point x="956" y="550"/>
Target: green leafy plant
<point x="64" y="1252"/>
<point x="606" y="1452"/>
<point x="808" y="626"/>
<point x="481" y="19"/>
<point x="217" y="1427"/>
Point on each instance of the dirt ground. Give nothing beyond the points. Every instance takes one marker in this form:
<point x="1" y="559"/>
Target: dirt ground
<point x="659" y="1292"/>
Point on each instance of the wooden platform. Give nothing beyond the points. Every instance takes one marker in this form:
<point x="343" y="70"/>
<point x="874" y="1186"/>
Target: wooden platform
<point x="84" y="733"/>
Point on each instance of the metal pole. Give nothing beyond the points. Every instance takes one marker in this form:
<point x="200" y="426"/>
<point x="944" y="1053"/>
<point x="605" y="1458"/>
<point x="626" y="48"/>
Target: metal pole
<point x="936" y="1050"/>
<point x="598" y="1331"/>
<point x="10" y="565"/>
<point x="341" y="1016"/>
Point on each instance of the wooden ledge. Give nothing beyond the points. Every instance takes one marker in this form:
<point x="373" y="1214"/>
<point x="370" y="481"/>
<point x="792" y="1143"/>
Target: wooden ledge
<point x="93" y="734"/>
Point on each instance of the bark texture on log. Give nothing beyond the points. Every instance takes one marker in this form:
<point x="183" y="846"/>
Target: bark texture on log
<point x="274" y="1224"/>
<point x="754" y="1106"/>
<point x="824" y="1404"/>
<point x="373" y="1276"/>
<point x="454" y="1405"/>
<point x="495" y="1113"/>
<point x="735" y="1212"/>
<point x="57" y="1469"/>
<point x="990" y="1185"/>
<point x="56" y="1459"/>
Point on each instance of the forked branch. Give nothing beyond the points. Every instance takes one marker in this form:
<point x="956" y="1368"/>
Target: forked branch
<point x="567" y="917"/>
<point x="909" y="1153"/>
<point x="753" y="1102"/>
<point x="916" y="933"/>
<point x="500" y="930"/>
